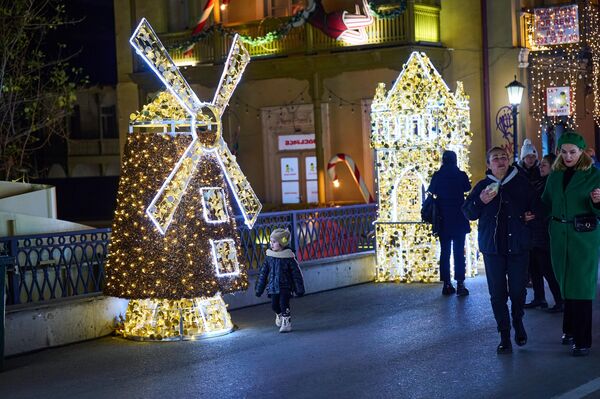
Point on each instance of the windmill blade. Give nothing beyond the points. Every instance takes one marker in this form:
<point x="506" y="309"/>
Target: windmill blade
<point x="236" y="62"/>
<point x="165" y="203"/>
<point x="148" y="46"/>
<point x="242" y="191"/>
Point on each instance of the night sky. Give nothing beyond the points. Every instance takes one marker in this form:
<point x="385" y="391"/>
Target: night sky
<point x="94" y="36"/>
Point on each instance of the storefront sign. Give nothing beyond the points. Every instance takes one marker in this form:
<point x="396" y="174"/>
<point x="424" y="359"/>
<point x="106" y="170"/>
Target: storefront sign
<point x="556" y="25"/>
<point x="558" y="100"/>
<point x="311" y="168"/>
<point x="294" y="142"/>
<point x="289" y="169"/>
<point x="290" y="192"/>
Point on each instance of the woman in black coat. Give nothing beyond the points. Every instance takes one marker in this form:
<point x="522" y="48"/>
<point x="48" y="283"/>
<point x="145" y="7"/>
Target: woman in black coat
<point x="449" y="184"/>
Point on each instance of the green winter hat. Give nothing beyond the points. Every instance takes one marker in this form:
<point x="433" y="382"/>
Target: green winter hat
<point x="572" y="137"/>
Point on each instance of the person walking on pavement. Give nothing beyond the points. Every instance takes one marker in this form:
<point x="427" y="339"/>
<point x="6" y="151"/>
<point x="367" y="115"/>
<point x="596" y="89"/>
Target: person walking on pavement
<point x="449" y="184"/>
<point x="504" y="202"/>
<point x="572" y="196"/>
<point x="281" y="276"/>
<point x="540" y="263"/>
<point x="529" y="167"/>
<point x="529" y="164"/>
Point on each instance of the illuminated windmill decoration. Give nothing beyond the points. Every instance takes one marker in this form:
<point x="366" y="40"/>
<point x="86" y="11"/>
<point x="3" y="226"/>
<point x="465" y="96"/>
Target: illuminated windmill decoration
<point x="204" y="118"/>
<point x="412" y="124"/>
<point x="175" y="246"/>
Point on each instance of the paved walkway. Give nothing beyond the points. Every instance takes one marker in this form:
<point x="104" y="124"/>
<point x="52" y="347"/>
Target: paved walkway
<point x="366" y="341"/>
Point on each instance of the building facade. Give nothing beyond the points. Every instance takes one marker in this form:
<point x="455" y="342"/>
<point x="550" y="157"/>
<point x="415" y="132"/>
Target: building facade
<point x="306" y="97"/>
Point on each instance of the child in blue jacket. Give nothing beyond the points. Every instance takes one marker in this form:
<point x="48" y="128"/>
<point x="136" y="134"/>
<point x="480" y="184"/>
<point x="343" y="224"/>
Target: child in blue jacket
<point x="281" y="276"/>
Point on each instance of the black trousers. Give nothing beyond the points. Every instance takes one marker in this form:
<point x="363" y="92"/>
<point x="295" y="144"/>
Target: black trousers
<point x="506" y="277"/>
<point x="280" y="303"/>
<point x="457" y="242"/>
<point x="540" y="267"/>
<point x="577" y="321"/>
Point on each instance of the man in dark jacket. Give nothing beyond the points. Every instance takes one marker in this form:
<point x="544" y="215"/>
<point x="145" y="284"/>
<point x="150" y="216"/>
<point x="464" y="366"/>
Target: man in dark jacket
<point x="504" y="203"/>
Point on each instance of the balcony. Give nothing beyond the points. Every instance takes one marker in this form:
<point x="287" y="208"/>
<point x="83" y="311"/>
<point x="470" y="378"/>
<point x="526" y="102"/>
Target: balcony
<point x="420" y="23"/>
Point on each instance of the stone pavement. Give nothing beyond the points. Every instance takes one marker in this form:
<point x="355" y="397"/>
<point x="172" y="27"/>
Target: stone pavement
<point x="366" y="341"/>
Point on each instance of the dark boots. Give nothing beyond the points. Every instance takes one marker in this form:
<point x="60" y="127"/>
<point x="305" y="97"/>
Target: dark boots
<point x="520" y="333"/>
<point x="505" y="346"/>
<point x="448" y="289"/>
<point x="461" y="290"/>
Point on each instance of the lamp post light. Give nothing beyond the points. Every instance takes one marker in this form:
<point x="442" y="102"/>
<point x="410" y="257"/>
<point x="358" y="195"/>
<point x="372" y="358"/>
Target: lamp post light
<point x="515" y="94"/>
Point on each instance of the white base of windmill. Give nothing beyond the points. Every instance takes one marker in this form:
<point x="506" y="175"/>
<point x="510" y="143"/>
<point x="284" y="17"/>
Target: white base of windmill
<point x="176" y="320"/>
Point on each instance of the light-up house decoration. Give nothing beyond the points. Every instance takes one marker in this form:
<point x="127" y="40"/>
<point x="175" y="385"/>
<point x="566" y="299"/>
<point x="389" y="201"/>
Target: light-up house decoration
<point x="412" y="124"/>
<point x="175" y="246"/>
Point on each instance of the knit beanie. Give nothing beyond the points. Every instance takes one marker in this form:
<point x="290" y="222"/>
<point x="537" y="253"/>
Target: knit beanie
<point x="571" y="137"/>
<point x="528" y="149"/>
<point x="282" y="236"/>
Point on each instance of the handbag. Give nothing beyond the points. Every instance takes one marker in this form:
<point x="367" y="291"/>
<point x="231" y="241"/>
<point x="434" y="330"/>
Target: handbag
<point x="585" y="223"/>
<point x="430" y="213"/>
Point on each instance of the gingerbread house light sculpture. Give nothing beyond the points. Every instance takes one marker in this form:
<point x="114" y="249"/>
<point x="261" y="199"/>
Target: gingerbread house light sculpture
<point x="412" y="124"/>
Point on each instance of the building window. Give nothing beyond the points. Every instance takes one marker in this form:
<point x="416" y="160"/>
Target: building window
<point x="108" y="120"/>
<point x="75" y="123"/>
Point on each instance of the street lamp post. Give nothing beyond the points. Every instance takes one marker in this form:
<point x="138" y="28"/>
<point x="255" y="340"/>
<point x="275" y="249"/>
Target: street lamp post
<point x="515" y="93"/>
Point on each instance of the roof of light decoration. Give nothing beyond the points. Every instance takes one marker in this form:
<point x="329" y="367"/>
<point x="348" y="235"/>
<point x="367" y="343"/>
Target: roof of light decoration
<point x="419" y="96"/>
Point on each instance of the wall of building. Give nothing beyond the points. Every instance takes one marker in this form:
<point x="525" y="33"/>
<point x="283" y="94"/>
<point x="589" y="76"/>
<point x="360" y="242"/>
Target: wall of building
<point x="348" y="130"/>
<point x="461" y="34"/>
<point x="349" y="134"/>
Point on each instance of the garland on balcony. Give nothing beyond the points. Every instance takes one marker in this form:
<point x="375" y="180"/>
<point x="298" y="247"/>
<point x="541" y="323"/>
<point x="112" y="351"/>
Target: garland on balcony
<point x="381" y="9"/>
<point x="387" y="9"/>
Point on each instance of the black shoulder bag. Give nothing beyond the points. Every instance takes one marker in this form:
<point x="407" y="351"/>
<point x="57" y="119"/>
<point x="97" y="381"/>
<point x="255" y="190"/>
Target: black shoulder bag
<point x="430" y="213"/>
<point x="585" y="223"/>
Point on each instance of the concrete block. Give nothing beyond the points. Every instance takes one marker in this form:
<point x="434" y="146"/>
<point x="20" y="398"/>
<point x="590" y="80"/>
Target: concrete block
<point x="60" y="322"/>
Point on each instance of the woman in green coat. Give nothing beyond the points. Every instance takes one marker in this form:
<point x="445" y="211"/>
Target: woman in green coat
<point x="573" y="190"/>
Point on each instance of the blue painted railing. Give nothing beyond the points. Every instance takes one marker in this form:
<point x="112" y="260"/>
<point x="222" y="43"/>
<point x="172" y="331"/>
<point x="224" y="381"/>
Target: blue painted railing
<point x="52" y="266"/>
<point x="316" y="233"/>
<point x="6" y="263"/>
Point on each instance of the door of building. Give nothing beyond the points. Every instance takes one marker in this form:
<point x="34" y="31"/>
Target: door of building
<point x="298" y="177"/>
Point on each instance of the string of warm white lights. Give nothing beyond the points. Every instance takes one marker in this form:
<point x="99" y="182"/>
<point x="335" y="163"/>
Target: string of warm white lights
<point x="175" y="245"/>
<point x="331" y="97"/>
<point x="563" y="64"/>
<point x="412" y="125"/>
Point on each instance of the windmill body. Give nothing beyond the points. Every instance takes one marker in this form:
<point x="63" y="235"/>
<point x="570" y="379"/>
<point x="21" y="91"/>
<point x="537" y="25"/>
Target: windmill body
<point x="175" y="246"/>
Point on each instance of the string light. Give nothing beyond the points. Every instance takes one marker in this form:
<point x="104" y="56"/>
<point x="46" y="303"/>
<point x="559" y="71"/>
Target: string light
<point x="555" y="59"/>
<point x="412" y="124"/>
<point x="174" y="257"/>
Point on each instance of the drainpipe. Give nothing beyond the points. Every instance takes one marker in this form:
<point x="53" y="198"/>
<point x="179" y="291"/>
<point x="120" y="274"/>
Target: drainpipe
<point x="486" y="76"/>
<point x="316" y="92"/>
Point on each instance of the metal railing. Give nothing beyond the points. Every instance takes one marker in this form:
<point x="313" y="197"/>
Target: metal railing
<point x="59" y="265"/>
<point x="69" y="264"/>
<point x="5" y="263"/>
<point x="420" y="23"/>
<point x="316" y="233"/>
